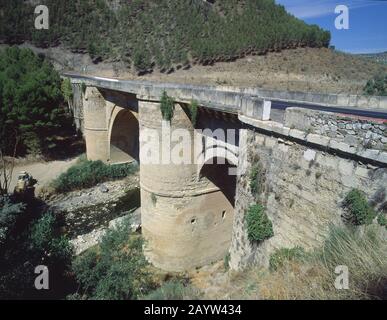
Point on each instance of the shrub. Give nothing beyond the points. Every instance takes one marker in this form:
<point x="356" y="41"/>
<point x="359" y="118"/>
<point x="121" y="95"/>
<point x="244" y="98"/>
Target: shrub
<point x="376" y="86"/>
<point x="257" y="179"/>
<point x="86" y="174"/>
<point x="259" y="227"/>
<point x="167" y="106"/>
<point x="283" y="255"/>
<point x="43" y="238"/>
<point x="174" y="290"/>
<point x="382" y="220"/>
<point x="9" y="212"/>
<point x="35" y="241"/>
<point x="118" y="270"/>
<point x="193" y="112"/>
<point x="67" y="89"/>
<point x="358" y="210"/>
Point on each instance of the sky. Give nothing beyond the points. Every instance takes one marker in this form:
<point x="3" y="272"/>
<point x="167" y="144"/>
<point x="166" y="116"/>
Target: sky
<point x="367" y="31"/>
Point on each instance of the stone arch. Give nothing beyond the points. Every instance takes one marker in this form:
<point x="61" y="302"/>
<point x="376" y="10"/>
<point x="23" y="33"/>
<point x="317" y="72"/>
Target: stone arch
<point x="221" y="174"/>
<point x="123" y="136"/>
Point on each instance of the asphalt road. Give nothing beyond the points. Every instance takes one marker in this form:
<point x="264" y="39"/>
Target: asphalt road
<point x="369" y="113"/>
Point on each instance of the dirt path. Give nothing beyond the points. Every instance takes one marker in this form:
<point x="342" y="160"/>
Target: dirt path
<point x="44" y="172"/>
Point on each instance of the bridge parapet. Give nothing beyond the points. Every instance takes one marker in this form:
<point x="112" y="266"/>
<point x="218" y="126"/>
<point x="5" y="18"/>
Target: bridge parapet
<point x="308" y="127"/>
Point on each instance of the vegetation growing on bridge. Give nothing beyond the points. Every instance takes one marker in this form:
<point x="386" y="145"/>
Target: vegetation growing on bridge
<point x="164" y="33"/>
<point x="257" y="178"/>
<point x="193" y="112"/>
<point x="357" y="209"/>
<point x="167" y="107"/>
<point x="259" y="227"/>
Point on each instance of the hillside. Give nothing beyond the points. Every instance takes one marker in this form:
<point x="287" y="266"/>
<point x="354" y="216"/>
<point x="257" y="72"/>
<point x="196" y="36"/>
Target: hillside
<point x="378" y="57"/>
<point x="304" y="69"/>
<point x="161" y="35"/>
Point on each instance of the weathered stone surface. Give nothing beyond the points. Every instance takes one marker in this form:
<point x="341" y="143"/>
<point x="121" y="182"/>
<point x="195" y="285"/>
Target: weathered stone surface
<point x="346" y="167"/>
<point x="309" y="155"/>
<point x="298" y="134"/>
<point x="318" y="139"/>
<point x="341" y="146"/>
<point x="304" y="197"/>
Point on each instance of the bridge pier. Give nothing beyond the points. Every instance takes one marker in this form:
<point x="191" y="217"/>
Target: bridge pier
<point x="96" y="130"/>
<point x="186" y="218"/>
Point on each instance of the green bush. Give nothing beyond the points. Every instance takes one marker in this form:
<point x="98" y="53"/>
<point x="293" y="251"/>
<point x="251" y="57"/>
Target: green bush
<point x="43" y="238"/>
<point x="31" y="101"/>
<point x="259" y="227"/>
<point x="376" y="86"/>
<point x="167" y="106"/>
<point x="283" y="255"/>
<point x="33" y="241"/>
<point x="173" y="290"/>
<point x="67" y="89"/>
<point x="382" y="220"/>
<point x="9" y="212"/>
<point x="118" y="270"/>
<point x="86" y="174"/>
<point x="257" y="179"/>
<point x="193" y="112"/>
<point x="358" y="210"/>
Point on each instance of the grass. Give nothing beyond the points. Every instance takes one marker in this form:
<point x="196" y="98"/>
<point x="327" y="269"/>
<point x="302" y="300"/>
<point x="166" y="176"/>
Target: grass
<point x="86" y="174"/>
<point x="284" y="255"/>
<point x="311" y="276"/>
<point x="174" y="290"/>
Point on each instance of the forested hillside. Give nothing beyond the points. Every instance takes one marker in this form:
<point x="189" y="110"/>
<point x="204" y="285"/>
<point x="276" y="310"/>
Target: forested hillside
<point x="165" y="34"/>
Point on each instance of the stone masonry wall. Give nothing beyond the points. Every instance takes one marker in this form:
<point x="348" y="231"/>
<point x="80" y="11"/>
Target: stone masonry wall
<point x="363" y="133"/>
<point x="303" y="192"/>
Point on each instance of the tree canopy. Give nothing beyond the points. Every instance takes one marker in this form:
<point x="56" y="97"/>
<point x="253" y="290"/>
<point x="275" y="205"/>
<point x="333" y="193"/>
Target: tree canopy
<point x="162" y="33"/>
<point x="30" y="100"/>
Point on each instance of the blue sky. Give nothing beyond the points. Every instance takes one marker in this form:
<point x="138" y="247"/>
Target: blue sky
<point x="367" y="22"/>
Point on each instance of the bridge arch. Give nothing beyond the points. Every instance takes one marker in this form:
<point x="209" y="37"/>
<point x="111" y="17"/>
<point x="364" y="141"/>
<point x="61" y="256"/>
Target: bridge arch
<point x="221" y="175"/>
<point x="123" y="136"/>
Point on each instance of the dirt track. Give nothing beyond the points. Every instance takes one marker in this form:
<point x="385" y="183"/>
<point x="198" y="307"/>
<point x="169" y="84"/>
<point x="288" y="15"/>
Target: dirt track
<point x="44" y="172"/>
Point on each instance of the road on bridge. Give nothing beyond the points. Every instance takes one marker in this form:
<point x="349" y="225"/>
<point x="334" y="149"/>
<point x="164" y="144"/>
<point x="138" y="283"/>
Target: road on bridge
<point x="370" y="113"/>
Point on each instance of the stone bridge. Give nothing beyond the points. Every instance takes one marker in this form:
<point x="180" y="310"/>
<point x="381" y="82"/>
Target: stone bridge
<point x="196" y="176"/>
